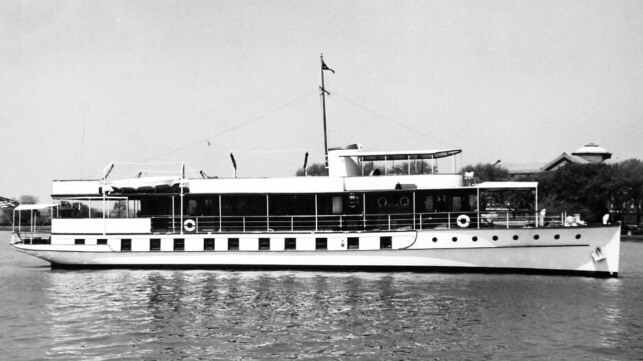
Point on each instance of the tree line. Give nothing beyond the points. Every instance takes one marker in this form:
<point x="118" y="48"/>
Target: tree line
<point x="7" y="205"/>
<point x="591" y="190"/>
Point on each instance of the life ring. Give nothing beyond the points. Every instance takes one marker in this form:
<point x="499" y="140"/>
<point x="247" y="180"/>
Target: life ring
<point x="404" y="201"/>
<point x="381" y="201"/>
<point x="189" y="225"/>
<point x="463" y="221"/>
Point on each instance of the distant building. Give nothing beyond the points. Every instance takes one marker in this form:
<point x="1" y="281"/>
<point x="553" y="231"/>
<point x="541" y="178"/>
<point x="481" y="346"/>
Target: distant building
<point x="591" y="153"/>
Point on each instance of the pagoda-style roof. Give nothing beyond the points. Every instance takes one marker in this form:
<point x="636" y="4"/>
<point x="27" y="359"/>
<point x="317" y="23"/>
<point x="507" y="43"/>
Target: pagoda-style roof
<point x="562" y="160"/>
<point x="592" y="149"/>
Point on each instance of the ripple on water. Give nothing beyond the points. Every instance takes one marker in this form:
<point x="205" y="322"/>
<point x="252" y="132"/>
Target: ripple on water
<point x="169" y="315"/>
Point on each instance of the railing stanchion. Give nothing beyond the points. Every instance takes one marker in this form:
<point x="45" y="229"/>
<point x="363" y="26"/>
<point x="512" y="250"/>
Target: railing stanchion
<point x="420" y="221"/>
<point x="389" y="222"/>
<point x="507" y="219"/>
<point x="243" y="223"/>
<point x="292" y="224"/>
<point x="448" y="220"/>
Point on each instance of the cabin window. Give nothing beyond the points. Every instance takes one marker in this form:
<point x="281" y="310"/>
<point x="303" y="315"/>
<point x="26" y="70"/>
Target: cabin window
<point x="246" y="205"/>
<point x="208" y="244"/>
<point x="288" y="205"/>
<point x="291" y="244"/>
<point x="389" y="202"/>
<point x="456" y="205"/>
<point x="155" y="206"/>
<point x="427" y="204"/>
<point x="386" y="242"/>
<point x="79" y="241"/>
<point x="337" y="205"/>
<point x="201" y="206"/>
<point x="101" y="241"/>
<point x="233" y="244"/>
<point x="353" y="242"/>
<point x="179" y="244"/>
<point x="155" y="244"/>
<point x="126" y="245"/>
<point x="321" y="243"/>
<point x="264" y="244"/>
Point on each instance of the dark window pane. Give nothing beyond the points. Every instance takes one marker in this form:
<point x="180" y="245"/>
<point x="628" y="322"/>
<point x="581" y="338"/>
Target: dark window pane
<point x="233" y="244"/>
<point x="264" y="244"/>
<point x="179" y="244"/>
<point x="291" y="244"/>
<point x="386" y="242"/>
<point x="321" y="243"/>
<point x="126" y="245"/>
<point x="353" y="242"/>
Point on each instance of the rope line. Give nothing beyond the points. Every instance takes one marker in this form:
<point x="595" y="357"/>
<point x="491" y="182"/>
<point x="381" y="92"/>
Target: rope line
<point x="389" y="119"/>
<point x="250" y="121"/>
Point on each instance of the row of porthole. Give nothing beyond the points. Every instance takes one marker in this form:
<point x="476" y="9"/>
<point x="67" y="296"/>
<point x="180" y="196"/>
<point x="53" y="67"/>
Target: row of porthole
<point x="495" y="238"/>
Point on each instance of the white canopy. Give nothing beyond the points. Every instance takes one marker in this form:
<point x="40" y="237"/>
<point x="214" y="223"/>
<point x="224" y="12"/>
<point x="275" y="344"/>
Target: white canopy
<point x="402" y="155"/>
<point x="507" y="185"/>
<point x="25" y="207"/>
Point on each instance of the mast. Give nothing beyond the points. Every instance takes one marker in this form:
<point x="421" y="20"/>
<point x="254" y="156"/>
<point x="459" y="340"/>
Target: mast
<point x="323" y="94"/>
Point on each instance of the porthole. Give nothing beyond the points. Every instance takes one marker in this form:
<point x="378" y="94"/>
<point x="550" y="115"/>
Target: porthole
<point x="435" y="239"/>
<point x="536" y="237"/>
<point x="382" y="202"/>
<point x="475" y="239"/>
<point x="454" y="239"/>
<point x="516" y="237"/>
<point x="557" y="236"/>
<point x="495" y="238"/>
<point x="578" y="236"/>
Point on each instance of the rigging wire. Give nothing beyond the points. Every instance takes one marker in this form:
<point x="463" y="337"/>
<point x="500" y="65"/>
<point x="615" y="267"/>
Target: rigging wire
<point x="389" y="119"/>
<point x="250" y="121"/>
<point x="269" y="151"/>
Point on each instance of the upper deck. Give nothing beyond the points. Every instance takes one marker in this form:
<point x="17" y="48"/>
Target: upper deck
<point x="350" y="170"/>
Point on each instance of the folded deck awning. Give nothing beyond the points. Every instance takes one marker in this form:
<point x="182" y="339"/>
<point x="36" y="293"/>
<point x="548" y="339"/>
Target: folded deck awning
<point x="147" y="184"/>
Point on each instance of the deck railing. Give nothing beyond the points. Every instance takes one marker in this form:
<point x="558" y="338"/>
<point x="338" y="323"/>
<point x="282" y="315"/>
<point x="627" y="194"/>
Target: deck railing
<point x="344" y="222"/>
<point x="352" y="222"/>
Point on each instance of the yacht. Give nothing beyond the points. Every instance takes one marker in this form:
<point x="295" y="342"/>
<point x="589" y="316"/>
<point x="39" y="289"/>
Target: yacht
<point x="375" y="210"/>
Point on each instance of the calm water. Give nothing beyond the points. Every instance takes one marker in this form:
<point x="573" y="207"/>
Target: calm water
<point x="170" y="315"/>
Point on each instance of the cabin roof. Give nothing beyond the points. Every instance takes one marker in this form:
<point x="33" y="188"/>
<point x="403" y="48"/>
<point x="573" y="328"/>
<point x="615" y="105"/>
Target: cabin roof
<point x="402" y="155"/>
<point x="507" y="185"/>
<point x="25" y="207"/>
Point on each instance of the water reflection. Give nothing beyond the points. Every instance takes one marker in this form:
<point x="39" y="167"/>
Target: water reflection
<point x="100" y="315"/>
<point x="167" y="315"/>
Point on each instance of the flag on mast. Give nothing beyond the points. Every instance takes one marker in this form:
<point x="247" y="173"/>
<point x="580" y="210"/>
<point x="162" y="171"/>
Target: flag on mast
<point x="325" y="67"/>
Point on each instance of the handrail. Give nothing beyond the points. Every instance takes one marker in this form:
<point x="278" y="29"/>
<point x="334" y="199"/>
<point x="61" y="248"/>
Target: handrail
<point x="354" y="222"/>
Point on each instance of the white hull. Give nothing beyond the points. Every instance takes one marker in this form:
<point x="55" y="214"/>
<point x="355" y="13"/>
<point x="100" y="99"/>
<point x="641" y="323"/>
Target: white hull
<point x="515" y="250"/>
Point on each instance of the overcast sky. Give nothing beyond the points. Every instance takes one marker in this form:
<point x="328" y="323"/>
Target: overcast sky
<point x="85" y="83"/>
